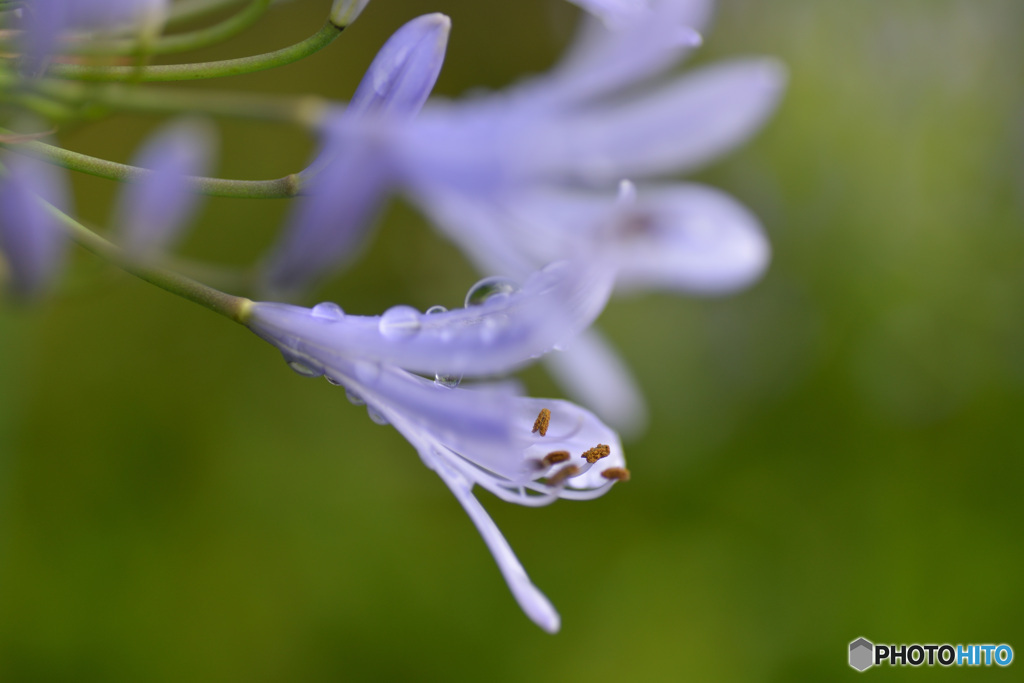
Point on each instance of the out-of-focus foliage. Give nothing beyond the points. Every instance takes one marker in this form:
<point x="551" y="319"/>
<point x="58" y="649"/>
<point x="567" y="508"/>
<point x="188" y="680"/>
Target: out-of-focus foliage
<point x="834" y="453"/>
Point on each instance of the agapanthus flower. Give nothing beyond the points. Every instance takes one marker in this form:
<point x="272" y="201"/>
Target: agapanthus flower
<point x="152" y="213"/>
<point x="520" y="177"/>
<point x="524" y="450"/>
<point x="32" y="243"/>
<point x="347" y="181"/>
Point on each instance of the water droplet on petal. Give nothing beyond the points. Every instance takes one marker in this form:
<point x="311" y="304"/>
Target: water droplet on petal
<point x="489" y="289"/>
<point x="449" y="381"/>
<point x="333" y="382"/>
<point x="354" y="398"/>
<point x="328" y="310"/>
<point x="399" y="321"/>
<point x="304" y="369"/>
<point x="376" y="417"/>
<point x="435" y="309"/>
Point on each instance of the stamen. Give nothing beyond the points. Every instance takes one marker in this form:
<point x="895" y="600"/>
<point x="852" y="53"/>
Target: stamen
<point x="542" y="422"/>
<point x="561" y="475"/>
<point x="596" y="453"/>
<point x="555" y="457"/>
<point x="616" y="473"/>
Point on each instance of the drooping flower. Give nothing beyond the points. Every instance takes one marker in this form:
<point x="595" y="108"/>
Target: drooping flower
<point x="523" y="450"/>
<point x="31" y="240"/>
<point x="524" y="176"/>
<point x="345" y="184"/>
<point x="152" y="213"/>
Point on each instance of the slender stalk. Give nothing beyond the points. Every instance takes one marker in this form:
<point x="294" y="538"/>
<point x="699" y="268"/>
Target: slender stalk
<point x="306" y="111"/>
<point x="233" y="307"/>
<point x="201" y="70"/>
<point x="288" y="186"/>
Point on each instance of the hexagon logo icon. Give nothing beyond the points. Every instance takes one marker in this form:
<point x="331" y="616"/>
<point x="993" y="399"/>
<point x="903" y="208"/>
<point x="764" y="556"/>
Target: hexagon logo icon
<point x="861" y="654"/>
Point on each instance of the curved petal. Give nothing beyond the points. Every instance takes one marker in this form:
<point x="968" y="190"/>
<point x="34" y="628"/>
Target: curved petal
<point x="353" y="171"/>
<point x="152" y="213"/>
<point x="673" y="129"/>
<point x="32" y="241"/>
<point x="681" y="236"/>
<point x="405" y="69"/>
<point x="604" y="58"/>
<point x="687" y="237"/>
<point x="326" y="228"/>
<point x="504" y="332"/>
<point x="534" y="604"/>
<point x="592" y="373"/>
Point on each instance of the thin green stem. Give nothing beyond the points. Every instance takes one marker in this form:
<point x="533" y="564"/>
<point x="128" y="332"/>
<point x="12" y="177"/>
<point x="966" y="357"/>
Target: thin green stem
<point x="181" y="42"/>
<point x="287" y="186"/>
<point x="201" y="70"/>
<point x="306" y="111"/>
<point x="233" y="307"/>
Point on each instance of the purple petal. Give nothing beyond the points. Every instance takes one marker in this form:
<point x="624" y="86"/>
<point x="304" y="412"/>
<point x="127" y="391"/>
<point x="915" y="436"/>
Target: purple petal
<point x="326" y="228"/>
<point x="348" y="181"/>
<point x="677" y="128"/>
<point x="603" y="58"/>
<point x="681" y="236"/>
<point x="533" y="603"/>
<point x="687" y="237"/>
<point x="403" y="73"/>
<point x="487" y="436"/>
<point x="592" y="373"/>
<point x="32" y="241"/>
<point x="152" y="213"/>
<point x="504" y="332"/>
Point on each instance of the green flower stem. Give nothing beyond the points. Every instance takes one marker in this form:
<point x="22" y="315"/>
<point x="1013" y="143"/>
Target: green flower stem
<point x="288" y="186"/>
<point x="201" y="70"/>
<point x="306" y="111"/>
<point x="234" y="307"/>
<point x="182" y="42"/>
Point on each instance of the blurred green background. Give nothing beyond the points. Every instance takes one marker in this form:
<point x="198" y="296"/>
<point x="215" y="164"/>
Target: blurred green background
<point x="835" y="453"/>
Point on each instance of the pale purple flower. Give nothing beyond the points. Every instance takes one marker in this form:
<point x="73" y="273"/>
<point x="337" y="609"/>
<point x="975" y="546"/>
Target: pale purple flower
<point x="32" y="242"/>
<point x="347" y="181"/>
<point x="152" y="213"/>
<point x="529" y="175"/>
<point x="523" y="450"/>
